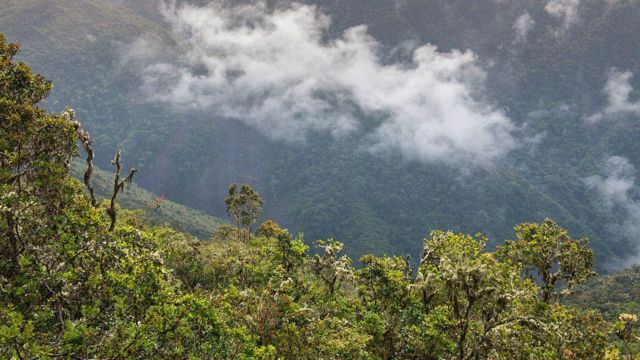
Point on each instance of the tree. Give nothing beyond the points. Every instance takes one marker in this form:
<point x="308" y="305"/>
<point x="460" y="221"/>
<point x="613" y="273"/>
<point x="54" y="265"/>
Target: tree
<point x="549" y="255"/>
<point x="35" y="151"/>
<point x="574" y="333"/>
<point x="118" y="186"/>
<point x="383" y="289"/>
<point x="487" y="302"/>
<point x="69" y="287"/>
<point x="85" y="141"/>
<point x="331" y="266"/>
<point x="244" y="206"/>
<point x="624" y="330"/>
<point x="291" y="251"/>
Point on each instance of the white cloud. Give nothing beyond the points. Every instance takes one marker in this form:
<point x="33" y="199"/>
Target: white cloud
<point x="614" y="189"/>
<point x="619" y="2"/>
<point x="567" y="10"/>
<point x="524" y="23"/>
<point x="615" y="186"/>
<point x="277" y="71"/>
<point x="618" y="90"/>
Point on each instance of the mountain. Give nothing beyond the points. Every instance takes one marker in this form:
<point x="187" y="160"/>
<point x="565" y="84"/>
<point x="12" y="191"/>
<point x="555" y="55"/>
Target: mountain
<point x="547" y="83"/>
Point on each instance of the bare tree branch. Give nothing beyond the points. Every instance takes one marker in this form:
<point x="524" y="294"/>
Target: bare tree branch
<point x="118" y="186"/>
<point x="86" y="144"/>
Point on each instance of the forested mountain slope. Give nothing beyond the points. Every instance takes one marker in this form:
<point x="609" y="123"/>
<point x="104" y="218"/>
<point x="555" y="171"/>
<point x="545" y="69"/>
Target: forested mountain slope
<point x="548" y="80"/>
<point x="155" y="209"/>
<point x="611" y="295"/>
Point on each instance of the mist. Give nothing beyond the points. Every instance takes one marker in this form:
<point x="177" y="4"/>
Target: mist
<point x="618" y="91"/>
<point x="278" y="71"/>
<point x="614" y="189"/>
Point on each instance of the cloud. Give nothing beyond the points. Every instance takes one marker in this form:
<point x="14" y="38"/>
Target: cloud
<point x="278" y="71"/>
<point x="567" y="10"/>
<point x="618" y="90"/>
<point x="524" y="23"/>
<point x="614" y="189"/>
<point x="618" y="181"/>
<point x="619" y="2"/>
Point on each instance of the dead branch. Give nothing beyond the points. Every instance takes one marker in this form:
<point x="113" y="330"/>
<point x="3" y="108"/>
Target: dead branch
<point x="70" y="115"/>
<point x="118" y="186"/>
<point x="86" y="144"/>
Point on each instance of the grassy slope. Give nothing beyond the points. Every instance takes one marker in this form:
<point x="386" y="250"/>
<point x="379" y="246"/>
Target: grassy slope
<point x="173" y="214"/>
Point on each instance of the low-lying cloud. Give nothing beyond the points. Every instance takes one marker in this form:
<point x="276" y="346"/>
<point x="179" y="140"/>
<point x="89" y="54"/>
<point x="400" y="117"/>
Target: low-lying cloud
<point x="614" y="189"/>
<point x="523" y="24"/>
<point x="566" y="10"/>
<point x="278" y="71"/>
<point x="618" y="90"/>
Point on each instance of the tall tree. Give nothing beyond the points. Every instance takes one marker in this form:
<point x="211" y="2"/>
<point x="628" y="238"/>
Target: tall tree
<point x="35" y="151"/>
<point x="331" y="266"/>
<point x="244" y="206"/>
<point x="551" y="257"/>
<point x="486" y="299"/>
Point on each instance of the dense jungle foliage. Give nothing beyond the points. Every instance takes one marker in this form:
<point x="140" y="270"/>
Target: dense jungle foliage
<point x="77" y="281"/>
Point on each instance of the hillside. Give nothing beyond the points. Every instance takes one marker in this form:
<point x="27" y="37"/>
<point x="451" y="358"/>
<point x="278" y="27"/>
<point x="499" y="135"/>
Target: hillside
<point x="73" y="36"/>
<point x="612" y="294"/>
<point x="155" y="210"/>
<point x="330" y="187"/>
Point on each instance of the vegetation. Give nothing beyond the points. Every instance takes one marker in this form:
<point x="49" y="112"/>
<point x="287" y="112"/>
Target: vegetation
<point x="155" y="209"/>
<point x="244" y="205"/>
<point x="550" y="257"/>
<point x="76" y="281"/>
